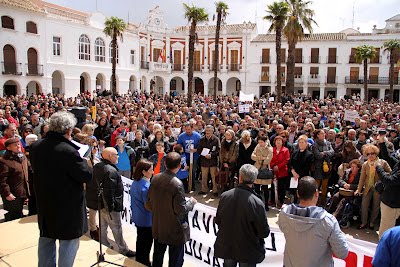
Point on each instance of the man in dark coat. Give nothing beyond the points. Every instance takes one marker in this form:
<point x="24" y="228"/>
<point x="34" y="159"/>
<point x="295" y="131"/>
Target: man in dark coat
<point x="13" y="179"/>
<point x="166" y="200"/>
<point x="242" y="223"/>
<point x="59" y="175"/>
<point x="106" y="175"/>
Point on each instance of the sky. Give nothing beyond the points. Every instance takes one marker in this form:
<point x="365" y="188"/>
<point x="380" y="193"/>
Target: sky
<point x="330" y="15"/>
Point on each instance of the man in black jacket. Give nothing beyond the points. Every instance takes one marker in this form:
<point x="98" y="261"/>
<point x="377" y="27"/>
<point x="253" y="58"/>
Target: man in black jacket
<point x="106" y="175"/>
<point x="59" y="175"/>
<point x="390" y="201"/>
<point x="242" y="223"/>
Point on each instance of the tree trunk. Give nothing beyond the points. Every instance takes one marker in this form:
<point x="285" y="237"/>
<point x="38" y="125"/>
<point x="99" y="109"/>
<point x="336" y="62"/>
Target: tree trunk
<point x="290" y="68"/>
<point x="216" y="54"/>
<point x="366" y="80"/>
<point x="391" y="77"/>
<point x="114" y="64"/>
<point x="192" y="37"/>
<point x="278" y="64"/>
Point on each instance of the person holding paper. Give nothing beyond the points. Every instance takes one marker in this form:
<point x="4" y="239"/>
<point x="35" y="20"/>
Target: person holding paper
<point x="209" y="149"/>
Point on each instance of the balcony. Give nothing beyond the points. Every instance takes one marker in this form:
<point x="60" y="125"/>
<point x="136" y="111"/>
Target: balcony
<point x="178" y="67"/>
<point x="331" y="79"/>
<point x="283" y="79"/>
<point x="163" y="67"/>
<point x="353" y="80"/>
<point x="212" y="67"/>
<point x="315" y="59"/>
<point x="144" y="65"/>
<point x="264" y="79"/>
<point x="11" y="68"/>
<point x="234" y="67"/>
<point x="34" y="70"/>
<point x="371" y="80"/>
<point x="313" y="79"/>
<point x="265" y="60"/>
<point x="331" y="59"/>
<point x="298" y="79"/>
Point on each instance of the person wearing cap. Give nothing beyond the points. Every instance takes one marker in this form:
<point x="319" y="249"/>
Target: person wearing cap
<point x="10" y="131"/>
<point x="13" y="179"/>
<point x="243" y="241"/>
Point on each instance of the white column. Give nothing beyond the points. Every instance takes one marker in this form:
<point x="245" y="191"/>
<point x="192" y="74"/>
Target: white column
<point x="224" y="53"/>
<point x="186" y="53"/>
<point x="381" y="94"/>
<point x="321" y="92"/>
<point x="167" y="88"/>
<point x="168" y="50"/>
<point x="205" y="89"/>
<point x="340" y="92"/>
<point x="148" y="48"/>
<point x="205" y="56"/>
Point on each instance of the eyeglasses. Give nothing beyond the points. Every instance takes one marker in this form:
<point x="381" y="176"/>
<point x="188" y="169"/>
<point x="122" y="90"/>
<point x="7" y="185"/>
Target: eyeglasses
<point x="115" y="154"/>
<point x="370" y="154"/>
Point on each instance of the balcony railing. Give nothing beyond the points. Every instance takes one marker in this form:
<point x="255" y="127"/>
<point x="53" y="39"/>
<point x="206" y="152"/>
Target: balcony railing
<point x="34" y="70"/>
<point x="234" y="67"/>
<point x="11" y="68"/>
<point x="315" y="59"/>
<point x="265" y="59"/>
<point x="313" y="79"/>
<point x="144" y="65"/>
<point x="298" y="78"/>
<point x="178" y="67"/>
<point x="264" y="79"/>
<point x="283" y="79"/>
<point x="331" y="79"/>
<point x="331" y="59"/>
<point x="371" y="80"/>
<point x="197" y="67"/>
<point x="212" y="67"/>
<point x="160" y="66"/>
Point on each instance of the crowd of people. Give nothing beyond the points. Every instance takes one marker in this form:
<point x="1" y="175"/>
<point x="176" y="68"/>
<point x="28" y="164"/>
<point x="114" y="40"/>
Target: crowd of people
<point x="354" y="161"/>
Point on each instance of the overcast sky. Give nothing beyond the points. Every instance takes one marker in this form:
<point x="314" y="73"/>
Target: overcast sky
<point x="331" y="15"/>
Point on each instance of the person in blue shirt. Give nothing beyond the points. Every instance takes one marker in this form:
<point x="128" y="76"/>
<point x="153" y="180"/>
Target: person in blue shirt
<point x="125" y="155"/>
<point x="183" y="173"/>
<point x="189" y="140"/>
<point x="387" y="252"/>
<point x="140" y="215"/>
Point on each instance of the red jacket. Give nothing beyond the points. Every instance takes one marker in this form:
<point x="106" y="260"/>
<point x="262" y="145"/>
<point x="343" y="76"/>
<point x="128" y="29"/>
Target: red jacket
<point x="281" y="160"/>
<point x="117" y="132"/>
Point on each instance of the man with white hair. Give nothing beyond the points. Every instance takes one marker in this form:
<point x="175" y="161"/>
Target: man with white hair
<point x="242" y="241"/>
<point x="351" y="135"/>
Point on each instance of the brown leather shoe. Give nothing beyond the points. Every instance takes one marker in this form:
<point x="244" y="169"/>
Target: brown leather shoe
<point x="95" y="234"/>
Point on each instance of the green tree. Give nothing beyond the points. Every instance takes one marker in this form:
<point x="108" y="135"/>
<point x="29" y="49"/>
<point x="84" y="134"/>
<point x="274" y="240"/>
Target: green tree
<point x="362" y="55"/>
<point x="277" y="15"/>
<point x="392" y="47"/>
<point x="300" y="18"/>
<point x="114" y="27"/>
<point x="222" y="12"/>
<point x="194" y="15"/>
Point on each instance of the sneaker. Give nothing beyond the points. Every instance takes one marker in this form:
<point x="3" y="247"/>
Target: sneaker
<point x="130" y="254"/>
<point x="202" y="193"/>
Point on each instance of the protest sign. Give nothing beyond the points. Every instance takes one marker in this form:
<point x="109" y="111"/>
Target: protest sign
<point x="350" y="115"/>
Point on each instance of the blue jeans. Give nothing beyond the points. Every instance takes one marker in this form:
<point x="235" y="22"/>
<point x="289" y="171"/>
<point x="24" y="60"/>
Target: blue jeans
<point x="47" y="252"/>
<point x="233" y="263"/>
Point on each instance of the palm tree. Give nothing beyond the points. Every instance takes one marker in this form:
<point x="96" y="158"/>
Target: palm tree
<point x="277" y="13"/>
<point x="114" y="27"/>
<point x="222" y="12"/>
<point x="362" y="55"/>
<point x="194" y="15"/>
<point x="391" y="47"/>
<point x="300" y="17"/>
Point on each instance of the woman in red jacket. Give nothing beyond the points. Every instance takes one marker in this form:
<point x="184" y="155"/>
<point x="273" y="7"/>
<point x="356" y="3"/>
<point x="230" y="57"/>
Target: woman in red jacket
<point x="279" y="165"/>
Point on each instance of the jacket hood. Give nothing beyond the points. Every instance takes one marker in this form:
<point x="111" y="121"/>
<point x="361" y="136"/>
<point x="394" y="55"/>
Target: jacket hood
<point x="302" y="219"/>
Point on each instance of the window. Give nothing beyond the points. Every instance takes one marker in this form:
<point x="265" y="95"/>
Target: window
<point x="31" y="27"/>
<point x="7" y="22"/>
<point x="110" y="53"/>
<point x="56" y="46"/>
<point x="157" y="55"/>
<point x="84" y="47"/>
<point x="314" y="72"/>
<point x="265" y="56"/>
<point x="99" y="50"/>
<point x="132" y="57"/>
<point x="264" y="74"/>
<point x="298" y="55"/>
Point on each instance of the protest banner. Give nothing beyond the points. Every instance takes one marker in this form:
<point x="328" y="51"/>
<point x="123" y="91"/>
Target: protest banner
<point x="350" y="115"/>
<point x="244" y="97"/>
<point x="199" y="251"/>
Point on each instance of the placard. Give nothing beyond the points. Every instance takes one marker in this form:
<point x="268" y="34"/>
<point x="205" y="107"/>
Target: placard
<point x="350" y="115"/>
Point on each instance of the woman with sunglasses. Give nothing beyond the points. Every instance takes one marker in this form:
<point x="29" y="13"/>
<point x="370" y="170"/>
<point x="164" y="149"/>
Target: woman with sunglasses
<point x="366" y="185"/>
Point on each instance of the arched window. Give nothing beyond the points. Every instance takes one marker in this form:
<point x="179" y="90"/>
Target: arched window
<point x="99" y="50"/>
<point x="31" y="27"/>
<point x="84" y="47"/>
<point x="7" y="22"/>
<point x="110" y="53"/>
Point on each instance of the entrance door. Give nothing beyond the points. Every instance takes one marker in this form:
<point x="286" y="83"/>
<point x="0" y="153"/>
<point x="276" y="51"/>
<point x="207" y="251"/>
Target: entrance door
<point x="177" y="60"/>
<point x="354" y="74"/>
<point x="10" y="65"/>
<point x="372" y="93"/>
<point x="32" y="62"/>
<point x="82" y="85"/>
<point x="234" y="60"/>
<point x="10" y="90"/>
<point x="315" y="94"/>
<point x="196" y="61"/>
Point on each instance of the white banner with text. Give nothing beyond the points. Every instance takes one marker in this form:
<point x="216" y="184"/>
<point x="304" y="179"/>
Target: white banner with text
<point x="200" y="249"/>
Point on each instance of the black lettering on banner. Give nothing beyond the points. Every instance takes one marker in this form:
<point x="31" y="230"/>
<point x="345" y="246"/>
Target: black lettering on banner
<point x="215" y="227"/>
<point x="207" y="260"/>
<point x="206" y="225"/>
<point x="195" y="222"/>
<point x="199" y="257"/>
<point x="273" y="246"/>
<point x="216" y="262"/>
<point x="189" y="244"/>
<point x="124" y="214"/>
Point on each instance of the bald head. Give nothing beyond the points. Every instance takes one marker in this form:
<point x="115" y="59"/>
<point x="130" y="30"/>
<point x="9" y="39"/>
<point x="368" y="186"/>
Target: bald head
<point x="110" y="154"/>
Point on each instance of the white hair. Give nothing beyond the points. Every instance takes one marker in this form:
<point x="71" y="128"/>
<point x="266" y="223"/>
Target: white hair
<point x="248" y="173"/>
<point x="61" y="122"/>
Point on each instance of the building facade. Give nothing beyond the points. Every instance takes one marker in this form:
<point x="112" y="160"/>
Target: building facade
<point x="52" y="49"/>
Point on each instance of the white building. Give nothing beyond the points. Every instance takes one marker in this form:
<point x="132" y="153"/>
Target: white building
<point x="48" y="48"/>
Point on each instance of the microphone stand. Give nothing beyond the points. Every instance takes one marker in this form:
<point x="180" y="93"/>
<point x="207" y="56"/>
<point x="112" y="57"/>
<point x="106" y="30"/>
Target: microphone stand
<point x="100" y="254"/>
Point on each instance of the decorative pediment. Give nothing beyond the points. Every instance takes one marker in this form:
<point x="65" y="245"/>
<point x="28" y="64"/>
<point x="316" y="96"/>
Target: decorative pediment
<point x="157" y="43"/>
<point x="234" y="45"/>
<point x="198" y="46"/>
<point x="178" y="46"/>
<point x="143" y="41"/>
<point x="212" y="46"/>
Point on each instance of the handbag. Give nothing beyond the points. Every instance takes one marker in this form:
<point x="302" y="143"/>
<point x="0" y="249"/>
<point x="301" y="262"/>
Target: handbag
<point x="265" y="173"/>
